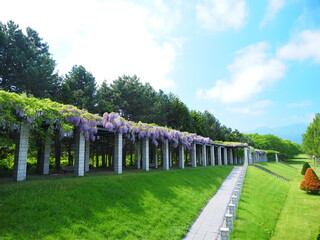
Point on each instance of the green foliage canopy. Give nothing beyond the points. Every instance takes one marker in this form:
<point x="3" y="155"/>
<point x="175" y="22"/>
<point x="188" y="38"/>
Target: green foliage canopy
<point x="311" y="138"/>
<point x="25" y="62"/>
<point x="272" y="142"/>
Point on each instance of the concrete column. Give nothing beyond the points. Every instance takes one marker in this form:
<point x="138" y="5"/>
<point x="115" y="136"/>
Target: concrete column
<point x="225" y="156"/>
<point x="204" y="155"/>
<point x="250" y="156"/>
<point x="46" y="158"/>
<point x="138" y="154"/>
<point x="156" y="157"/>
<point x="235" y="158"/>
<point x="232" y="210"/>
<point x="276" y="155"/>
<point x="21" y="154"/>
<point x="229" y="222"/>
<point x="246" y="157"/>
<point x="145" y="154"/>
<point x="79" y="152"/>
<point x="230" y="156"/>
<point x="87" y="156"/>
<point x="170" y="156"/>
<point x="181" y="156"/>
<point x="219" y="156"/>
<point x="165" y="154"/>
<point x="118" y="153"/>
<point x="193" y="153"/>
<point x="224" y="233"/>
<point x="212" y="155"/>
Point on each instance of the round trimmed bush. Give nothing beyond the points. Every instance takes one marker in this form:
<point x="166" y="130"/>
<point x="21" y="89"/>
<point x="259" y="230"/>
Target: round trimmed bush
<point x="304" y="168"/>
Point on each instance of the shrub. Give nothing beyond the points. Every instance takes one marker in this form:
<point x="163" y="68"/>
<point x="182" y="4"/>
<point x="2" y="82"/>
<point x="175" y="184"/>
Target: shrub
<point x="318" y="237"/>
<point x="304" y="168"/>
<point x="311" y="182"/>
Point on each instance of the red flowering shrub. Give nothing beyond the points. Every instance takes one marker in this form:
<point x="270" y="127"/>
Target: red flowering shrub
<point x="311" y="182"/>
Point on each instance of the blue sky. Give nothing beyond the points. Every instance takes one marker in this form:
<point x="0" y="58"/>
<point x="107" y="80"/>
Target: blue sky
<point x="250" y="63"/>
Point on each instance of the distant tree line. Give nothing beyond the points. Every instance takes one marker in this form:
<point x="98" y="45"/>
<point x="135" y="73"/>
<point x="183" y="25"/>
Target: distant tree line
<point x="311" y="138"/>
<point x="286" y="148"/>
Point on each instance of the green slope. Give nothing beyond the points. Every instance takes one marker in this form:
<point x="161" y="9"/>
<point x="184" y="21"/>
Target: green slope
<point x="260" y="205"/>
<point x="271" y="208"/>
<point x="143" y="205"/>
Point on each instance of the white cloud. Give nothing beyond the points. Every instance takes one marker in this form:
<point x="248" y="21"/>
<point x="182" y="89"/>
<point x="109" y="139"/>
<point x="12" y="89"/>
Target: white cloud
<point x="254" y="109"/>
<point x="217" y="15"/>
<point x="109" y="38"/>
<point x="250" y="73"/>
<point x="306" y="117"/>
<point x="246" y="111"/>
<point x="305" y="45"/>
<point x="261" y="104"/>
<point x="274" y="6"/>
<point x="301" y="104"/>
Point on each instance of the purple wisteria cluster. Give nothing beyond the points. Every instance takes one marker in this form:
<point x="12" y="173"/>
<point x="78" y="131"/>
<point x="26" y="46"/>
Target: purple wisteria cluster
<point x="16" y="109"/>
<point x="157" y="134"/>
<point x="86" y="122"/>
<point x="260" y="152"/>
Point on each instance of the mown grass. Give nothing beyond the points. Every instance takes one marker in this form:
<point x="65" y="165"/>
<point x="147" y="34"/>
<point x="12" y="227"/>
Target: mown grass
<point x="271" y="208"/>
<point x="143" y="205"/>
<point x="300" y="216"/>
<point x="260" y="205"/>
<point x="281" y="169"/>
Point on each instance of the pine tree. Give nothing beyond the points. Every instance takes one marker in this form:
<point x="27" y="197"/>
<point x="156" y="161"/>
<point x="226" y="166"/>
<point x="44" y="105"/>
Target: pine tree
<point x="304" y="168"/>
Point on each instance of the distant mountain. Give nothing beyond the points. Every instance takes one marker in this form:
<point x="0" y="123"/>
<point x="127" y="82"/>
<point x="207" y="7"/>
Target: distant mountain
<point x="291" y="132"/>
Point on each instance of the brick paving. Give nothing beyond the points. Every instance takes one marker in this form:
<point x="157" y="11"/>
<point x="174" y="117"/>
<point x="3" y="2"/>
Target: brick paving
<point x="208" y="223"/>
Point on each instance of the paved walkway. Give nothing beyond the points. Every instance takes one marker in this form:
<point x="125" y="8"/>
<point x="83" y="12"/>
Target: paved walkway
<point x="208" y="223"/>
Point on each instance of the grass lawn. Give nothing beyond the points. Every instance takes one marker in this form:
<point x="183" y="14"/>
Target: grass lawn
<point x="274" y="209"/>
<point x="140" y="205"/>
<point x="300" y="216"/>
<point x="262" y="199"/>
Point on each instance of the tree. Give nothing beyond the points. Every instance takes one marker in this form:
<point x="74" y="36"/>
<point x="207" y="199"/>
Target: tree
<point x="304" y="168"/>
<point x="80" y="88"/>
<point x="213" y="125"/>
<point x="311" y="138"/>
<point x="272" y="142"/>
<point x="199" y="123"/>
<point x="177" y="115"/>
<point x="25" y="62"/>
<point x="104" y="102"/>
<point x="132" y="99"/>
<point x="311" y="182"/>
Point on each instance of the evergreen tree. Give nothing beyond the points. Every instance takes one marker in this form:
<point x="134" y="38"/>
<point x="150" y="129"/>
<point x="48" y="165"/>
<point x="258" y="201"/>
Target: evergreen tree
<point x="80" y="89"/>
<point x="104" y="101"/>
<point x="304" y="168"/>
<point x="133" y="99"/>
<point x="311" y="139"/>
<point x="25" y="62"/>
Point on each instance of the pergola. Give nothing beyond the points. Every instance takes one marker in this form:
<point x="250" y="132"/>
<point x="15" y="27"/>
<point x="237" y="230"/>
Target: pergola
<point x="20" y="114"/>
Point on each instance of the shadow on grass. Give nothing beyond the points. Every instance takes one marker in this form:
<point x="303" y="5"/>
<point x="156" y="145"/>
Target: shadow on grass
<point x="295" y="162"/>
